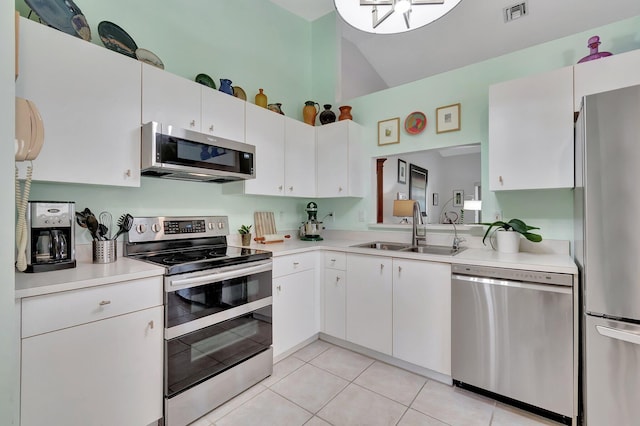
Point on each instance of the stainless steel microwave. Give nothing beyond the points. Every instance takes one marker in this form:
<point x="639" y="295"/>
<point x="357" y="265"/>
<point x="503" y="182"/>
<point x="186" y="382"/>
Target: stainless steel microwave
<point x="173" y="153"/>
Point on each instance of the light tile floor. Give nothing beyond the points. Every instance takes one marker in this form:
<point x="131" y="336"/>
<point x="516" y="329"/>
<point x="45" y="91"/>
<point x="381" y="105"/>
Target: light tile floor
<point x="323" y="384"/>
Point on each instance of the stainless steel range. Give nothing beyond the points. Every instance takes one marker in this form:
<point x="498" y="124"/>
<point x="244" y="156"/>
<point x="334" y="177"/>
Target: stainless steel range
<point x="218" y="300"/>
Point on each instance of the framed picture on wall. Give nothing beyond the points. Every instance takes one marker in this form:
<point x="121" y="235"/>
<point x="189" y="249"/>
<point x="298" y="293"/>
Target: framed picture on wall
<point x="402" y="171"/>
<point x="389" y="131"/>
<point x="458" y="198"/>
<point x="448" y="118"/>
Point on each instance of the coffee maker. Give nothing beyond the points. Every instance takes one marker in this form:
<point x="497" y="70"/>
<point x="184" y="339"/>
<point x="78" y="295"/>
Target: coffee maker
<point x="51" y="236"/>
<point x="310" y="230"/>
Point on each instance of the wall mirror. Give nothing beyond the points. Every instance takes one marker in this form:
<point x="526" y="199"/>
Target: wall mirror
<point x="439" y="179"/>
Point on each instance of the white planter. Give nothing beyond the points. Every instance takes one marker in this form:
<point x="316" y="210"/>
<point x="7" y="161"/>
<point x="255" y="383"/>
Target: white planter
<point x="508" y="241"/>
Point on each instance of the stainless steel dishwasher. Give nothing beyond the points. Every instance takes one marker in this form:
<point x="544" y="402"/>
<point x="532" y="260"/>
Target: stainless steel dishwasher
<point x="512" y="335"/>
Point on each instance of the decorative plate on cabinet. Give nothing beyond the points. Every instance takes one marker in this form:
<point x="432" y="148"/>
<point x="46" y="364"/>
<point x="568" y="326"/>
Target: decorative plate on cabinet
<point x="149" y="57"/>
<point x="206" y="80"/>
<point x="415" y="122"/>
<point x="239" y="93"/>
<point x="115" y="38"/>
<point x="63" y="15"/>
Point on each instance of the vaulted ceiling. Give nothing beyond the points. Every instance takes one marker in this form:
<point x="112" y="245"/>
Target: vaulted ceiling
<point x="473" y="31"/>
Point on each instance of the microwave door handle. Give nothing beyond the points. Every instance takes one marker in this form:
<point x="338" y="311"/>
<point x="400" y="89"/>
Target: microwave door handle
<point x="215" y="277"/>
<point x="619" y="334"/>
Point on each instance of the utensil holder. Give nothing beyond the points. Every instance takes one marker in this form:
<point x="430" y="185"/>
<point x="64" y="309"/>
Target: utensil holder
<point x="104" y="251"/>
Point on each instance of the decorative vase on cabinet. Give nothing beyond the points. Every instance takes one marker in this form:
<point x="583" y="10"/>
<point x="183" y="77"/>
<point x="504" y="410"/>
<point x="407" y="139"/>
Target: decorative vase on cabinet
<point x="225" y="86"/>
<point x="327" y="116"/>
<point x="309" y="112"/>
<point x="345" y="113"/>
<point x="261" y="99"/>
<point x="593" y="44"/>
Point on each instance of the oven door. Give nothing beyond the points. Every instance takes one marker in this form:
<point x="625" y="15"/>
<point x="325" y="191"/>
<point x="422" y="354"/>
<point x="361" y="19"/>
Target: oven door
<point x="200" y="299"/>
<point x="202" y="354"/>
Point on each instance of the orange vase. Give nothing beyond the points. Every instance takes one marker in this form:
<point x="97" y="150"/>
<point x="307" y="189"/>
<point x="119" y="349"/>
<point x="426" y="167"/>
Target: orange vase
<point x="345" y="113"/>
<point x="309" y="112"/>
<point x="261" y="99"/>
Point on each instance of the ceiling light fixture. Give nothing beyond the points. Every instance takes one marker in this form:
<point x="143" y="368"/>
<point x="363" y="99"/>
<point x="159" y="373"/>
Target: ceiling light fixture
<point x="392" y="16"/>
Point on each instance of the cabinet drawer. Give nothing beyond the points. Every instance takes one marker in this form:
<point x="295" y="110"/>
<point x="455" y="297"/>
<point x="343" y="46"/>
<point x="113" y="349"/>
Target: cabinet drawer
<point x="335" y="260"/>
<point x="42" y="314"/>
<point x="286" y="265"/>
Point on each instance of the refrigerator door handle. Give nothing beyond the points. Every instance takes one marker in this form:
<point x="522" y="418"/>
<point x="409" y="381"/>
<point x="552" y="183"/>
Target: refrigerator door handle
<point x="619" y="334"/>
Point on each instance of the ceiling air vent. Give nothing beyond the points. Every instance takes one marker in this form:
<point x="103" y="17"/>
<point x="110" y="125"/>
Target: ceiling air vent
<point x="516" y="11"/>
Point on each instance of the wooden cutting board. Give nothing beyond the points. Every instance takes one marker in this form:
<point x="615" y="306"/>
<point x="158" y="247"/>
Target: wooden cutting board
<point x="265" y="223"/>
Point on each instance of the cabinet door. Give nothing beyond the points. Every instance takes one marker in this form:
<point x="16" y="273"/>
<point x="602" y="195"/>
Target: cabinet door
<point x="89" y="100"/>
<point x="294" y="310"/>
<point x="531" y="132"/>
<point x="334" y="315"/>
<point x="610" y="73"/>
<point x="107" y="372"/>
<point x="422" y="314"/>
<point x="222" y="114"/>
<point x="265" y="130"/>
<point x="170" y="99"/>
<point x="299" y="159"/>
<point x="341" y="161"/>
<point x="369" y="307"/>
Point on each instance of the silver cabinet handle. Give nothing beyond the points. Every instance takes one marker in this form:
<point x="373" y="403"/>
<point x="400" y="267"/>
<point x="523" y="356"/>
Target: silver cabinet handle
<point x="211" y="128"/>
<point x="340" y="189"/>
<point x="500" y="180"/>
<point x="151" y="325"/>
<point x="296" y="263"/>
<point x="128" y="173"/>
<point x="291" y="188"/>
<point x="337" y="279"/>
<point x="381" y="267"/>
<point x="280" y="188"/>
<point x="617" y="334"/>
<point x="332" y="260"/>
<point x="105" y="302"/>
<point x="399" y="269"/>
<point x="279" y="288"/>
<point x="193" y="123"/>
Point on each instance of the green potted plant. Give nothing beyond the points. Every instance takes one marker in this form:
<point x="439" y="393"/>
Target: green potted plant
<point x="508" y="234"/>
<point x="245" y="234"/>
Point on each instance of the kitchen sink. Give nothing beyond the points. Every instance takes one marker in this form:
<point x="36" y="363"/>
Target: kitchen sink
<point x="381" y="245"/>
<point x="442" y="250"/>
<point x="427" y="249"/>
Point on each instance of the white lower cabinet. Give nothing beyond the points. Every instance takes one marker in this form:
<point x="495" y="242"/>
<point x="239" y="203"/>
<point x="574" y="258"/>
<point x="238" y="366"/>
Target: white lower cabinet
<point x="107" y="368"/>
<point x="335" y="295"/>
<point x="369" y="302"/>
<point x="422" y="314"/>
<point x="295" y="304"/>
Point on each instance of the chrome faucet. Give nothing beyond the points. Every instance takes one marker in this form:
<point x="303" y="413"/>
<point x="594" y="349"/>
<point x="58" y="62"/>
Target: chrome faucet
<point x="456" y="240"/>
<point x="419" y="233"/>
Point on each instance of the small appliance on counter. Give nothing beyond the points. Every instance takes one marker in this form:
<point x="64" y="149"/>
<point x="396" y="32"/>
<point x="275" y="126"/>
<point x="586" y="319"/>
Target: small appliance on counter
<point x="311" y="229"/>
<point x="50" y="236"/>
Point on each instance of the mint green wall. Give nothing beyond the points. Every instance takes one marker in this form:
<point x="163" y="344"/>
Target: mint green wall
<point x="551" y="210"/>
<point x="8" y="331"/>
<point x="257" y="44"/>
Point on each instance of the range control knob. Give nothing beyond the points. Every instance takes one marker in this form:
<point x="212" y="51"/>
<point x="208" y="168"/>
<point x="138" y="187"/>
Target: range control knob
<point x="155" y="227"/>
<point x="210" y="226"/>
<point x="220" y="225"/>
<point x="141" y="228"/>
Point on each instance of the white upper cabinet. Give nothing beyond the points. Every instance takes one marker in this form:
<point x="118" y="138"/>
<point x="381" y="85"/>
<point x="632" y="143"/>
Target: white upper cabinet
<point x="531" y="132"/>
<point x="265" y="130"/>
<point x="89" y="100"/>
<point x="170" y="99"/>
<point x="604" y="74"/>
<point x="299" y="159"/>
<point x="222" y="114"/>
<point x="340" y="160"/>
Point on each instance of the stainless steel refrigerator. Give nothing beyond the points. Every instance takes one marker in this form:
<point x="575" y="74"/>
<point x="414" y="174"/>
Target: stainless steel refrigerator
<point x="607" y="251"/>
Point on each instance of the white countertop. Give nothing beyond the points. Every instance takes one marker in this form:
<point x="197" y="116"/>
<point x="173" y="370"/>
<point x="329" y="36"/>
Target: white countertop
<point x="89" y="274"/>
<point x="544" y="262"/>
<point x="85" y="274"/>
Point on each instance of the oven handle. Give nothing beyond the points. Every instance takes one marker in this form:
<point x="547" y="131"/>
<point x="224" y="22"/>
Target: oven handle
<point x="221" y="276"/>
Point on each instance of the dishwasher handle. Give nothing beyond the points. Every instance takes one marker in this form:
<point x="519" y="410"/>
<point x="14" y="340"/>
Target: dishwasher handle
<point x="553" y="288"/>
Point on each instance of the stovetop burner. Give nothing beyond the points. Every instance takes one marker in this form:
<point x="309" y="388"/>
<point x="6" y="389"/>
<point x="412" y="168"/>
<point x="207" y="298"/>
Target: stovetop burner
<point x="186" y="244"/>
